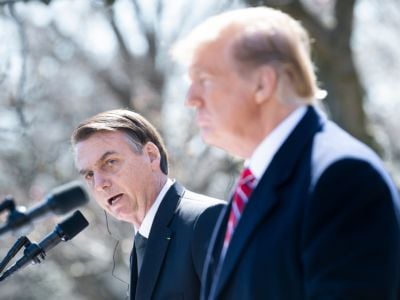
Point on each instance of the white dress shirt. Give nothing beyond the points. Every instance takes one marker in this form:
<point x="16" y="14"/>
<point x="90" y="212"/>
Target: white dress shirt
<point x="145" y="227"/>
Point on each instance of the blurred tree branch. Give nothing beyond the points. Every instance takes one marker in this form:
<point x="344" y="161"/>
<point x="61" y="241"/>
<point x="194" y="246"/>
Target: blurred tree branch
<point x="18" y="100"/>
<point x="5" y="2"/>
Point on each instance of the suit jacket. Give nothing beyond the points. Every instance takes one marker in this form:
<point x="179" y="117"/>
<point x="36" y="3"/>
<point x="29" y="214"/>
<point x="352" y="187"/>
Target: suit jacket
<point x="322" y="223"/>
<point x="176" y="247"/>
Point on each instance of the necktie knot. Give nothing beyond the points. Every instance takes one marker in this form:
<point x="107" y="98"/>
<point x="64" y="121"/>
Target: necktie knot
<point x="140" y="241"/>
<point x="247" y="181"/>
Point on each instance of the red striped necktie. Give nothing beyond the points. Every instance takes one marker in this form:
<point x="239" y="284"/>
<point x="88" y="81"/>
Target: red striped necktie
<point x="240" y="198"/>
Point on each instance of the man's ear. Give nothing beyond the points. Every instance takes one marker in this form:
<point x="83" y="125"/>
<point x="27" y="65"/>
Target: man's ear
<point x="151" y="150"/>
<point x="266" y="80"/>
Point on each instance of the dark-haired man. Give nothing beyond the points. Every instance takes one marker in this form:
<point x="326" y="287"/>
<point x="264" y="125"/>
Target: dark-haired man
<point x="123" y="160"/>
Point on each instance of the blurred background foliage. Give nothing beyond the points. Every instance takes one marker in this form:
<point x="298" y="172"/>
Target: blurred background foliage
<point x="62" y="61"/>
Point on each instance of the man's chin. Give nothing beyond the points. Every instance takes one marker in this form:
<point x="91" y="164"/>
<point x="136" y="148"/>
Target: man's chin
<point x="207" y="136"/>
<point x="212" y="137"/>
<point x="124" y="219"/>
<point x="120" y="216"/>
<point x="221" y="143"/>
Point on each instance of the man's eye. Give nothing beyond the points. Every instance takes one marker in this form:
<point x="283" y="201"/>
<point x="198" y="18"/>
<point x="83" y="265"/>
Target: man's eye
<point x="89" y="175"/>
<point x="203" y="79"/>
<point x="111" y="162"/>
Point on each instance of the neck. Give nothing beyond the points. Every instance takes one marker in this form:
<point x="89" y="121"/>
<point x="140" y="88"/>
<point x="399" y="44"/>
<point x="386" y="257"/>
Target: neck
<point x="149" y="199"/>
<point x="268" y="119"/>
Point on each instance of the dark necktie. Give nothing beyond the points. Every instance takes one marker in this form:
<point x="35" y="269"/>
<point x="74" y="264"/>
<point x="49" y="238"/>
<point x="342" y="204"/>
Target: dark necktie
<point x="140" y="247"/>
<point x="240" y="198"/>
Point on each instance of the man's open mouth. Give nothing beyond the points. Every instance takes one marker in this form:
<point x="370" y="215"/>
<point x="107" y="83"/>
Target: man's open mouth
<point x="113" y="199"/>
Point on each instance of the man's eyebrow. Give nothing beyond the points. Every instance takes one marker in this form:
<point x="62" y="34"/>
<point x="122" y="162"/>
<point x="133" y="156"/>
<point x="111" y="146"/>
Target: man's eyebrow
<point x="102" y="158"/>
<point x="198" y="72"/>
<point x="83" y="172"/>
<point x="106" y="154"/>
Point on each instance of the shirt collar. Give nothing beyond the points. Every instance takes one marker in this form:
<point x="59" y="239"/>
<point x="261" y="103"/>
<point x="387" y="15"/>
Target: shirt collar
<point x="265" y="151"/>
<point x="145" y="227"/>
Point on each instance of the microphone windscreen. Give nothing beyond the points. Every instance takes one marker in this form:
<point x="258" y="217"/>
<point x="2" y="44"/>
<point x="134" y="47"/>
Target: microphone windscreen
<point x="72" y="226"/>
<point x="66" y="198"/>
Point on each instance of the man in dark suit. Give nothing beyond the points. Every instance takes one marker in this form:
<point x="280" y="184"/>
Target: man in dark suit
<point x="314" y="215"/>
<point x="124" y="162"/>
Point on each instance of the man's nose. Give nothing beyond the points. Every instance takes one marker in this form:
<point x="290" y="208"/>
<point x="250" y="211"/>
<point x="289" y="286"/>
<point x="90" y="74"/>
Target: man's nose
<point x="101" y="182"/>
<point x="193" y="98"/>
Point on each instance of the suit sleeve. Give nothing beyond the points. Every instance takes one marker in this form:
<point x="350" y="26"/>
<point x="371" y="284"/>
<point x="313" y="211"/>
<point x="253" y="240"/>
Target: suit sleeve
<point x="203" y="230"/>
<point x="351" y="235"/>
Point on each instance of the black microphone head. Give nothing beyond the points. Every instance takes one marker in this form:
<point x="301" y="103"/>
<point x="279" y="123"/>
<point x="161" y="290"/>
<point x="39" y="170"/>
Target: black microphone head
<point x="70" y="227"/>
<point x="66" y="198"/>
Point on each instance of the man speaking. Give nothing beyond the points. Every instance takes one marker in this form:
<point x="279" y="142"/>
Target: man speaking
<point x="124" y="162"/>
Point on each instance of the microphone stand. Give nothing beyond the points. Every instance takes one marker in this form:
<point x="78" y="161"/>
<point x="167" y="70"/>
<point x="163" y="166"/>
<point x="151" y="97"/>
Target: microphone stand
<point x="32" y="252"/>
<point x="36" y="253"/>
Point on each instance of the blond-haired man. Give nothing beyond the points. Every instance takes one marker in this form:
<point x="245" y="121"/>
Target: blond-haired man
<point x="314" y="215"/>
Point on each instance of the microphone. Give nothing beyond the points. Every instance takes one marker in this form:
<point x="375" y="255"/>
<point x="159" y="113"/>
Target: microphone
<point x="60" y="201"/>
<point x="64" y="231"/>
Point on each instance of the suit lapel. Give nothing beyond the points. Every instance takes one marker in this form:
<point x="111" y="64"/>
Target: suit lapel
<point x="157" y="244"/>
<point x="264" y="197"/>
<point x="213" y="252"/>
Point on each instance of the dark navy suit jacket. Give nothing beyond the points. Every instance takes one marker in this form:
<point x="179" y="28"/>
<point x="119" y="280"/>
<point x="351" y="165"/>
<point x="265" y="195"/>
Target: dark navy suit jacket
<point x="176" y="247"/>
<point x="322" y="223"/>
